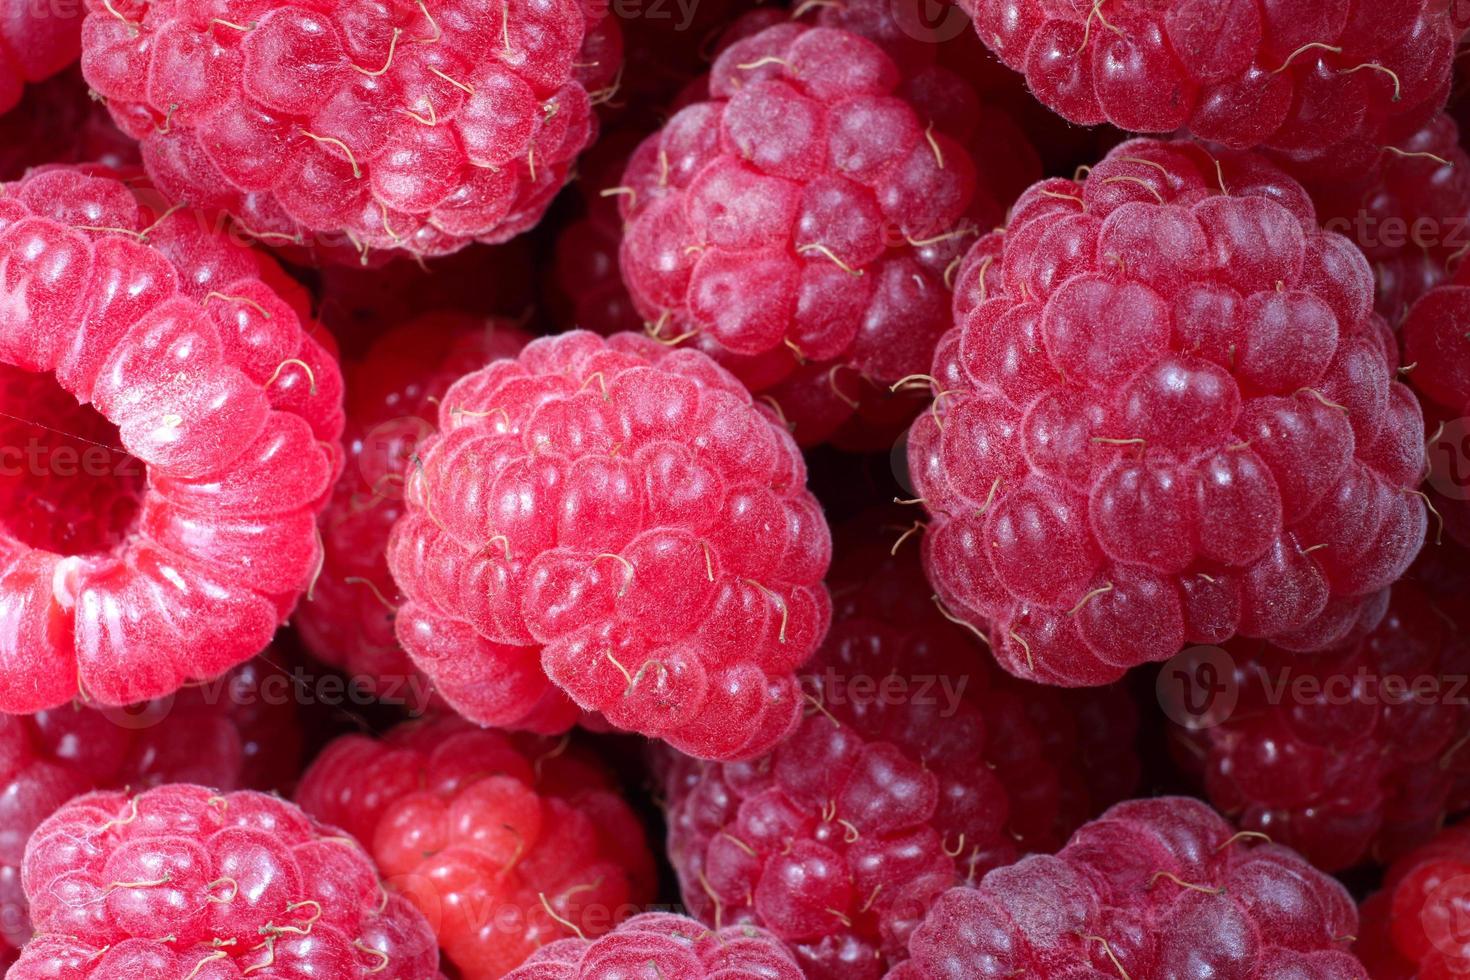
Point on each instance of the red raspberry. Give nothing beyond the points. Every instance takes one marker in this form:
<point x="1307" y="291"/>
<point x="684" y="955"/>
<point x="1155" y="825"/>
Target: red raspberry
<point x="504" y="842"/>
<point x="807" y="213"/>
<point x="1167" y="414"/>
<point x="1409" y="216"/>
<point x="1351" y="755"/>
<point x="909" y="774"/>
<point x="183" y="882"/>
<point x="1437" y="352"/>
<point x="168" y="538"/>
<point x="614" y="523"/>
<point x="393" y="127"/>
<point x="1152" y="888"/>
<point x="239" y="731"/>
<point x="59" y="122"/>
<point x="671" y="946"/>
<point x="1414" y="928"/>
<point x="392" y="390"/>
<point x="1328" y="84"/>
<point x="37" y="40"/>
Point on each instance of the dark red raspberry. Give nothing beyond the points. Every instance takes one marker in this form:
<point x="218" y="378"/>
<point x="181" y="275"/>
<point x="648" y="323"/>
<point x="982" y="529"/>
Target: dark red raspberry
<point x="357" y="128"/>
<point x="1327" y="84"/>
<point x="1414" y="928"/>
<point x="669" y="946"/>
<point x="505" y="843"/>
<point x="1411" y="216"/>
<point x="1355" y="754"/>
<point x="613" y="525"/>
<point x="59" y="122"/>
<point x="1153" y="888"/>
<point x="37" y="40"/>
<point x="919" y="765"/>
<point x="185" y="882"/>
<point x="237" y="732"/>
<point x="171" y="430"/>
<point x="1167" y="415"/>
<point x="1437" y="356"/>
<point x="392" y="394"/>
<point x="806" y="214"/>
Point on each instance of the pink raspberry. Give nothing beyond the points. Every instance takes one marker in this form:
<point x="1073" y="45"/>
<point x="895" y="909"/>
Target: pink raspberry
<point x="917" y="766"/>
<point x="185" y="882"/>
<point x="1152" y="888"/>
<point x="614" y="526"/>
<point x="172" y="431"/>
<point x="1326" y="84"/>
<point x="1166" y="415"/>
<point x="37" y="40"/>
<point x="505" y="843"/>
<point x="239" y="731"/>
<point x="1352" y="755"/>
<point x="807" y="213"/>
<point x="392" y="391"/>
<point x="1413" y="928"/>
<point x="669" y="946"/>
<point x="59" y="122"/>
<point x="401" y="127"/>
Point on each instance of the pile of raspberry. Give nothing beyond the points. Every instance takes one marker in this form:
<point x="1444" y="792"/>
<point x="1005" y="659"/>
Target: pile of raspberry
<point x="1167" y="414"/>
<point x="1153" y="888"/>
<point x="612" y="526"/>
<point x="917" y="766"/>
<point x="1329" y="86"/>
<point x="1413" y="928"/>
<point x="504" y="843"/>
<point x="353" y="129"/>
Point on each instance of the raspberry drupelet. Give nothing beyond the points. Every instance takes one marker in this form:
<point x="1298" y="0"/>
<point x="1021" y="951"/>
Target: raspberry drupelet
<point x="504" y="842"/>
<point x="660" y="944"/>
<point x="181" y="882"/>
<point x="614" y="526"/>
<point x="805" y="214"/>
<point x="179" y="431"/>
<point x="1413" y="928"/>
<point x="1328" y="85"/>
<point x="1167" y="414"/>
<point x="238" y="732"/>
<point x="392" y="392"/>
<point x="1153" y="888"/>
<point x="353" y="128"/>
<point x="919" y="765"/>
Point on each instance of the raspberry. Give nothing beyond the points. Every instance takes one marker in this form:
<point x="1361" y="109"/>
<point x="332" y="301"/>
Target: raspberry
<point x="1408" y="217"/>
<point x="348" y="622"/>
<point x="1437" y="350"/>
<point x="37" y="41"/>
<point x="669" y="945"/>
<point x="168" y="538"/>
<point x="505" y="842"/>
<point x="182" y="878"/>
<point x="909" y="774"/>
<point x="1328" y="85"/>
<point x="236" y="732"/>
<point x="1413" y="928"/>
<point x="389" y="127"/>
<point x="1152" y="888"/>
<point x="616" y="523"/>
<point x="58" y="122"/>
<point x="1167" y="415"/>
<point x="807" y="213"/>
<point x="1335" y="755"/>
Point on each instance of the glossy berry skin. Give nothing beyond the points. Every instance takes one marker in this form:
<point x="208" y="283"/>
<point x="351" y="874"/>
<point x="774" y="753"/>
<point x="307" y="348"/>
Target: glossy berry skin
<point x="1328" y="85"/>
<point x="1168" y="416"/>
<point x="392" y="391"/>
<point x="1354" y="754"/>
<point x="182" y="882"/>
<point x="614" y="526"/>
<point x="661" y="944"/>
<point x="356" y="128"/>
<point x="1163" y="887"/>
<point x="37" y="40"/>
<point x="500" y="840"/>
<point x="168" y="542"/>
<point x="1413" y="928"/>
<point x="806" y="213"/>
<point x="918" y="765"/>
<point x="237" y="732"/>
